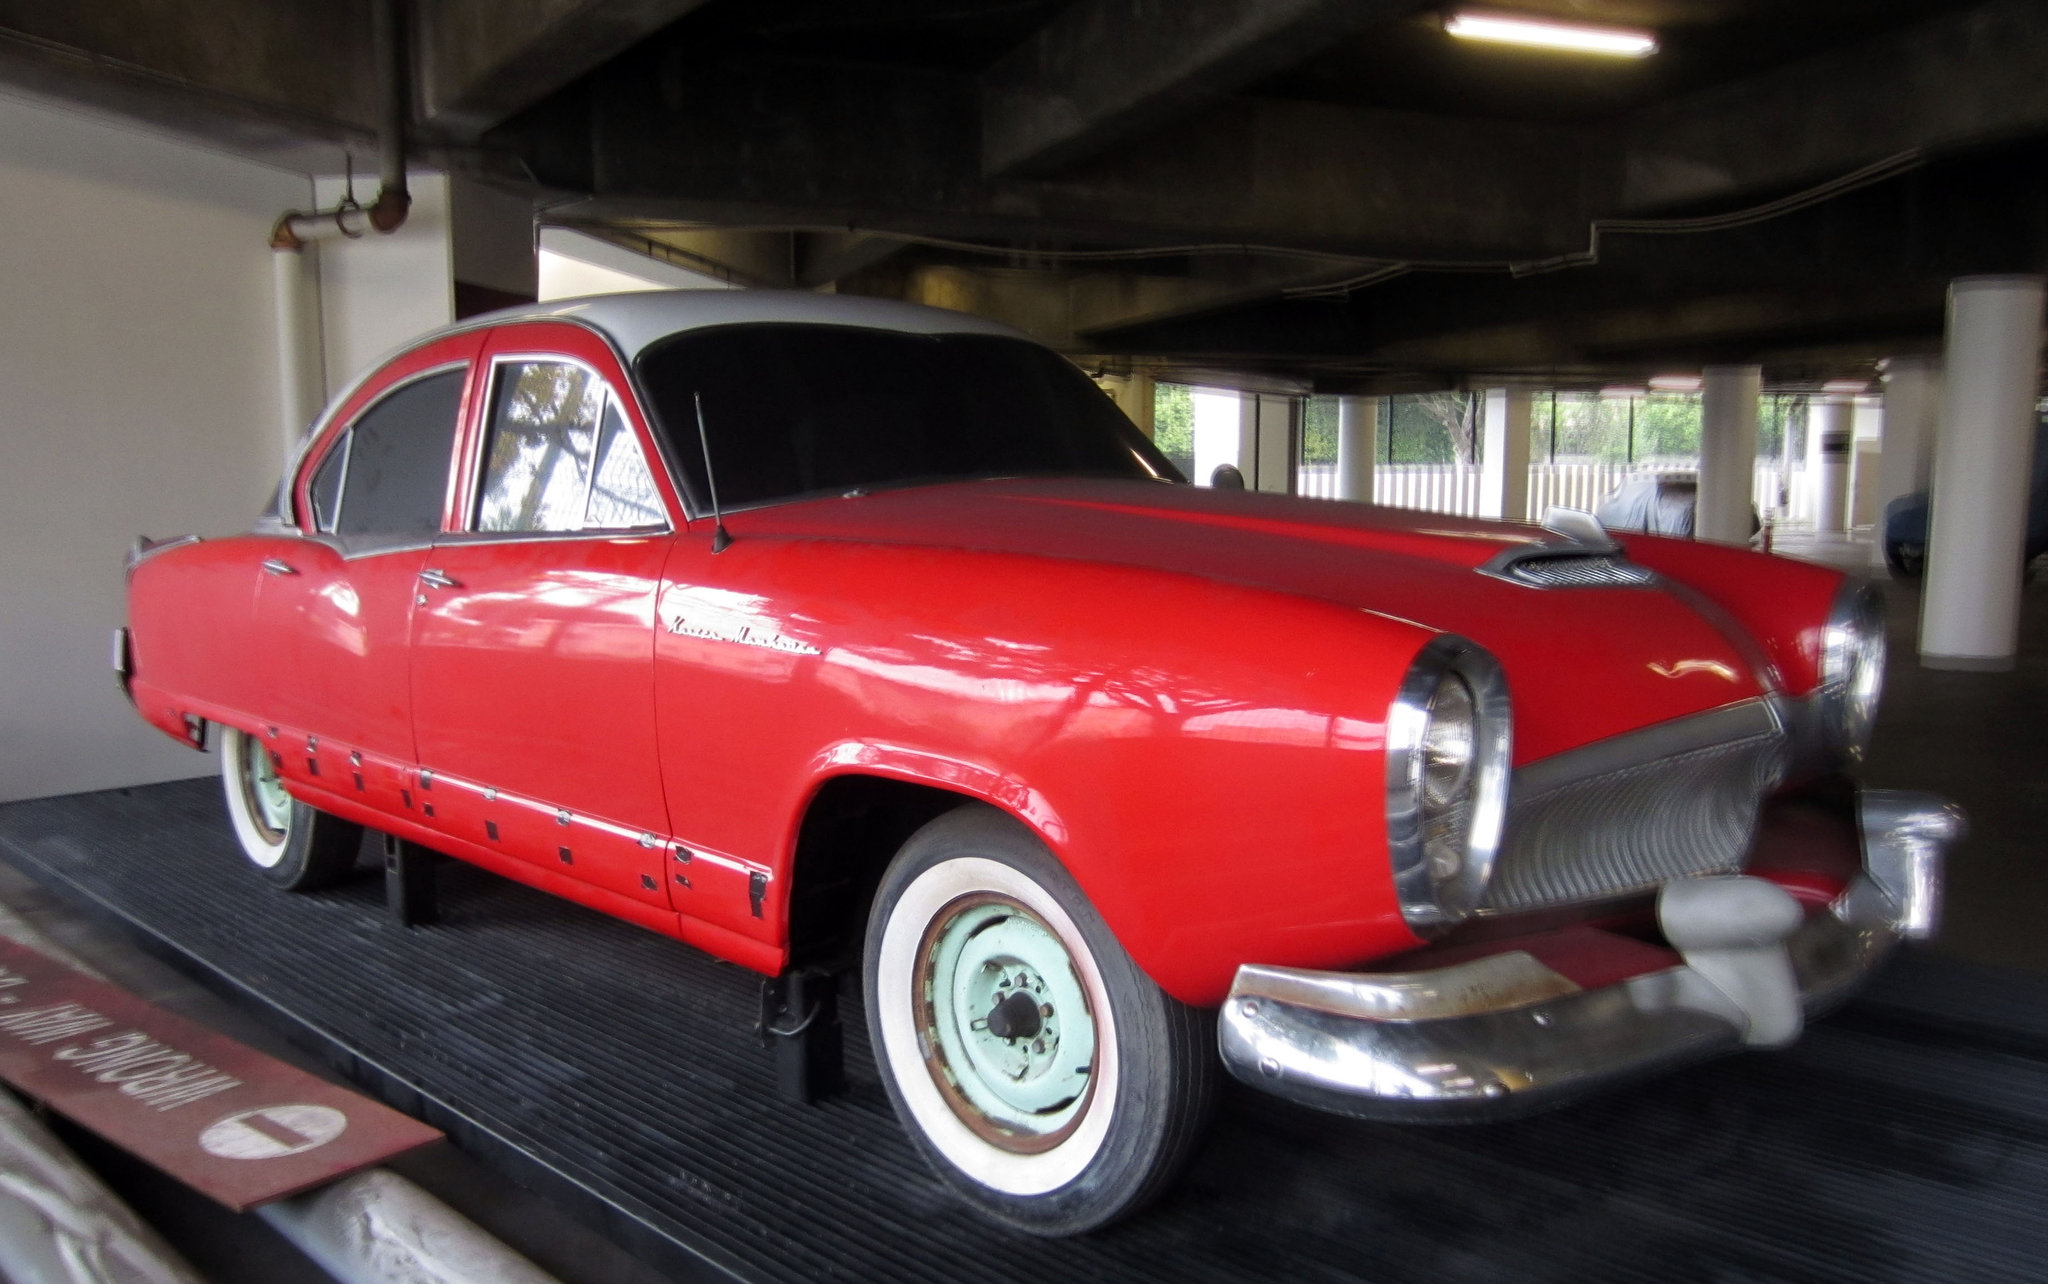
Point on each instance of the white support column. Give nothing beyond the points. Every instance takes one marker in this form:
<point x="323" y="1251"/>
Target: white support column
<point x="1504" y="467"/>
<point x="1279" y="448"/>
<point x="1728" y="410"/>
<point x="301" y="379"/>
<point x="1912" y="403"/>
<point x="1358" y="446"/>
<point x="1248" y="438"/>
<point x="1219" y="431"/>
<point x="1982" y="465"/>
<point x="1828" y="443"/>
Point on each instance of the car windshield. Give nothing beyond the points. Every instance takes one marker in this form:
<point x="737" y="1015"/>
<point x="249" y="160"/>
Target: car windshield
<point x="793" y="410"/>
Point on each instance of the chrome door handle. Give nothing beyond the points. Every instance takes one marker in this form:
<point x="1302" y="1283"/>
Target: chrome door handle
<point x="438" y="579"/>
<point x="276" y="567"/>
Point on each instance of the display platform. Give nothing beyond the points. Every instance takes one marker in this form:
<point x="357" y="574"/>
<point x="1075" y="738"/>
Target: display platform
<point x="614" y="1070"/>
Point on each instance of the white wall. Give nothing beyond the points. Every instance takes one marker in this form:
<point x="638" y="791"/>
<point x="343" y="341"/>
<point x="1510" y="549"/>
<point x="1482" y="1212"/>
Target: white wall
<point x="573" y="265"/>
<point x="138" y="366"/>
<point x="382" y="291"/>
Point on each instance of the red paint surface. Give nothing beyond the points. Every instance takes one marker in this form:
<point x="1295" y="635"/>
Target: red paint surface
<point x="163" y="1088"/>
<point x="1182" y="691"/>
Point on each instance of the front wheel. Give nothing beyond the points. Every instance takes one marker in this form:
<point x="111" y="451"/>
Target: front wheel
<point x="293" y="845"/>
<point x="1041" y="1073"/>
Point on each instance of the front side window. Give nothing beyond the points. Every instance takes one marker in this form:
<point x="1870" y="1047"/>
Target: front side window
<point x="388" y="474"/>
<point x="793" y="410"/>
<point x="560" y="455"/>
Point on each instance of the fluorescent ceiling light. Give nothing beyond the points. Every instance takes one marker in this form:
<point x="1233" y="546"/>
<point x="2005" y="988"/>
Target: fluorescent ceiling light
<point x="1539" y="33"/>
<point x="1676" y="383"/>
<point x="1846" y="386"/>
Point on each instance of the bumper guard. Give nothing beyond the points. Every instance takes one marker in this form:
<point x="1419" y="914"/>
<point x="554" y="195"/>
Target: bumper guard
<point x="1505" y="1034"/>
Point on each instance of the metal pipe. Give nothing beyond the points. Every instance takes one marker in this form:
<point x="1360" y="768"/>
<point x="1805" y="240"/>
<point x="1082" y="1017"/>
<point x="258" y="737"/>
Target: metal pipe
<point x="378" y="1228"/>
<point x="346" y="218"/>
<point x="60" y="1225"/>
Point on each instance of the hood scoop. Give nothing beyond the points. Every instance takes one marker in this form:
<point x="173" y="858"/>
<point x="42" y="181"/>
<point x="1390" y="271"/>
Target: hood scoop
<point x="1583" y="555"/>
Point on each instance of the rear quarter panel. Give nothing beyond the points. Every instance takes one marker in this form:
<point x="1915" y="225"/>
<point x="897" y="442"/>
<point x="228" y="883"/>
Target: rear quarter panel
<point x="191" y="613"/>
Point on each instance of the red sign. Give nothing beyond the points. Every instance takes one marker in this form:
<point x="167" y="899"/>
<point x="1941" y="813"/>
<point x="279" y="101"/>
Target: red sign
<point x="227" y="1120"/>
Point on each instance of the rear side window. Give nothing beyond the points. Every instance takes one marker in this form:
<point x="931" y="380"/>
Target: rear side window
<point x="389" y="474"/>
<point x="561" y="456"/>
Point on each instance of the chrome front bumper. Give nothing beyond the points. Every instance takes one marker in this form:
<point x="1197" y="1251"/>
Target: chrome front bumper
<point x="1505" y="1034"/>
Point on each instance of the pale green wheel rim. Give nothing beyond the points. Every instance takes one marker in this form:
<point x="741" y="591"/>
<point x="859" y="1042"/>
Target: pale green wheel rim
<point x="1009" y="1019"/>
<point x="270" y="805"/>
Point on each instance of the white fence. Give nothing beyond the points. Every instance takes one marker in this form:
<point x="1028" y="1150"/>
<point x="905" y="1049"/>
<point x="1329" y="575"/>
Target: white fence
<point x="1455" y="488"/>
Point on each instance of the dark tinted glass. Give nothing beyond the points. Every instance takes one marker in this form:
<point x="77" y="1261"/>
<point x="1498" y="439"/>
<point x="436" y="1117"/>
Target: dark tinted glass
<point x="398" y="460"/>
<point x="796" y="410"/>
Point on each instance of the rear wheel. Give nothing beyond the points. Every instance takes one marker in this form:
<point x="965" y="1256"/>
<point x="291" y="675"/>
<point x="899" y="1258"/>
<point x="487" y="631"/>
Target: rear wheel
<point x="293" y="845"/>
<point x="1042" y="1074"/>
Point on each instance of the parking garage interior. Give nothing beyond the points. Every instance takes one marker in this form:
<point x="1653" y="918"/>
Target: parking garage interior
<point x="1786" y="266"/>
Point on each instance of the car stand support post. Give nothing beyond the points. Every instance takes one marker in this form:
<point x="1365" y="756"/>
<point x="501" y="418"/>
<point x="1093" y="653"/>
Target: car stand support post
<point x="410" y="882"/>
<point x="800" y="1021"/>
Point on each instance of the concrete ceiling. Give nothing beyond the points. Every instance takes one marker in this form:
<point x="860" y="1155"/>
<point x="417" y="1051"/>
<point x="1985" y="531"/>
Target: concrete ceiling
<point x="1328" y="190"/>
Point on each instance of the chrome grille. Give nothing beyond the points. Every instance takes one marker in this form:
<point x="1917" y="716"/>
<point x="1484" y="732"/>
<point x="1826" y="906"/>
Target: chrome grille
<point x="1630" y="813"/>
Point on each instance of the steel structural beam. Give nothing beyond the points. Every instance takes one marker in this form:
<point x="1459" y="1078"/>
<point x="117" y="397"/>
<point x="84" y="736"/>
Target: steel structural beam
<point x="1106" y="70"/>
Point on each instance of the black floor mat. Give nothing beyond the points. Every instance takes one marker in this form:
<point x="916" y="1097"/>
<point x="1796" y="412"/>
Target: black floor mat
<point x="1905" y="1139"/>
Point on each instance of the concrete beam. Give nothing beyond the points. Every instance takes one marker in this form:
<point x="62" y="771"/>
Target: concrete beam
<point x="481" y="61"/>
<point x="682" y="138"/>
<point x="825" y="258"/>
<point x="1969" y="77"/>
<point x="290" y="84"/>
<point x="1106" y="70"/>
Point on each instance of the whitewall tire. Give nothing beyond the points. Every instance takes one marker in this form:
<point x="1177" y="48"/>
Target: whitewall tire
<point x="1042" y="1074"/>
<point x="293" y="845"/>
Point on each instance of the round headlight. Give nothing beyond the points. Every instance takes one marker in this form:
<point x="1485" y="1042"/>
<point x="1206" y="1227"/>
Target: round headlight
<point x="1852" y="666"/>
<point x="1447" y="769"/>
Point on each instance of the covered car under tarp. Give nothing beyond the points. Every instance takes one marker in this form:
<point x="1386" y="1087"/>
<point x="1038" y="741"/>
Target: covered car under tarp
<point x="1655" y="503"/>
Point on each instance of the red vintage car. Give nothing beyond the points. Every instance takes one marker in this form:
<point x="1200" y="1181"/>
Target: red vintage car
<point x="810" y="629"/>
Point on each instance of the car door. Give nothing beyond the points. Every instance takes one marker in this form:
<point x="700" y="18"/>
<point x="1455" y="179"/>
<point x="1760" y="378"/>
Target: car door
<point x="533" y="638"/>
<point x="335" y="600"/>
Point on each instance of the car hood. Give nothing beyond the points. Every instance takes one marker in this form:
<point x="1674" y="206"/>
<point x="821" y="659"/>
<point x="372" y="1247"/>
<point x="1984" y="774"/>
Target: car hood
<point x="1582" y="663"/>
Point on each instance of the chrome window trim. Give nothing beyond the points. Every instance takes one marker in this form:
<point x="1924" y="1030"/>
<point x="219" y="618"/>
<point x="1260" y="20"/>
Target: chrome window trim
<point x="488" y="321"/>
<point x="480" y="539"/>
<point x="348" y="454"/>
<point x="611" y="398"/>
<point x="1423" y="901"/>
